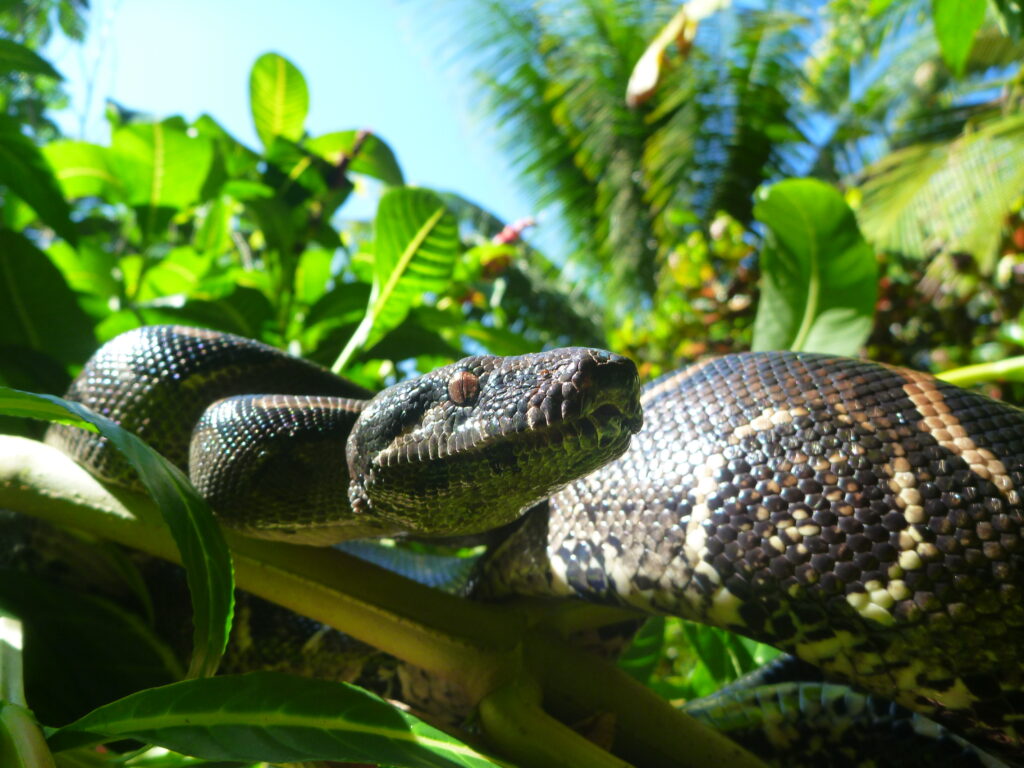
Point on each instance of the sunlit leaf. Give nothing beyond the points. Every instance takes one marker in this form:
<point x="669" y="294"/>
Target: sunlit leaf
<point x="179" y="272"/>
<point x="161" y="168"/>
<point x="819" y="278"/>
<point x="416" y="244"/>
<point x="946" y="195"/>
<point x="278" y="97"/>
<point x="275" y="717"/>
<point x="956" y="22"/>
<point x="373" y="158"/>
<point x="203" y="551"/>
<point x="312" y="275"/>
<point x="82" y="169"/>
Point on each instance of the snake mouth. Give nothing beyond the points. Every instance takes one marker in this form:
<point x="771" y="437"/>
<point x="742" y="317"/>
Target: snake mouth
<point x="606" y="423"/>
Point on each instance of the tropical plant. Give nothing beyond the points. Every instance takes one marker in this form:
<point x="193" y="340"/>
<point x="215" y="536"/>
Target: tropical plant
<point x="912" y="106"/>
<point x="172" y="221"/>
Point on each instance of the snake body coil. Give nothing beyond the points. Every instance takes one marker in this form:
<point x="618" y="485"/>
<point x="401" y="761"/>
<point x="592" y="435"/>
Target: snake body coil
<point x="865" y="518"/>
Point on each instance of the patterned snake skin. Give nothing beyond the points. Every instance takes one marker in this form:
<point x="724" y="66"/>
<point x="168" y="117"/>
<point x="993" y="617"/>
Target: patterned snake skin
<point x="864" y="518"/>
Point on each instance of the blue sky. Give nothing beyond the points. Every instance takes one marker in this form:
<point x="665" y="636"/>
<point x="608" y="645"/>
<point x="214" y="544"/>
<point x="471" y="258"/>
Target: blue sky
<point x="369" y="64"/>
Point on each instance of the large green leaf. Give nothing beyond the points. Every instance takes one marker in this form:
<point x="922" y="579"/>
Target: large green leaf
<point x="25" y="172"/>
<point x="159" y="164"/>
<point x="37" y="310"/>
<point x="278" y="97"/>
<point x="956" y="22"/>
<point x="373" y="158"/>
<point x="274" y="717"/>
<point x="91" y="271"/>
<point x="15" y="57"/>
<point x="819" y="278"/>
<point x="203" y="550"/>
<point x="82" y="169"/>
<point x="176" y="274"/>
<point x="416" y="243"/>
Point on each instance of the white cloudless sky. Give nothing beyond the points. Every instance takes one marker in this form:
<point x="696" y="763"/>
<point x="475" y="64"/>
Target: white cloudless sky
<point x="368" y="63"/>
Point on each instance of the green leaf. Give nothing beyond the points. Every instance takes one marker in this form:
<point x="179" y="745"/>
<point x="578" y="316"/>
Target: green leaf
<point x="15" y="57"/>
<point x="83" y="170"/>
<point x="717" y="657"/>
<point x="956" y="23"/>
<point x="274" y="717"/>
<point x="37" y="310"/>
<point x="203" y="551"/>
<point x="213" y="235"/>
<point x="312" y="275"/>
<point x="416" y="240"/>
<point x="641" y="658"/>
<point x="374" y="157"/>
<point x="1011" y="17"/>
<point x="25" y="172"/>
<point x="956" y="194"/>
<point x="819" y="278"/>
<point x="177" y="273"/>
<point x="65" y="627"/>
<point x="245" y="311"/>
<point x="278" y="97"/>
<point x="159" y="164"/>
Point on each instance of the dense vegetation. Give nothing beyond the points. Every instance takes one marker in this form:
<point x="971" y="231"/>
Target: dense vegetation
<point x="747" y="196"/>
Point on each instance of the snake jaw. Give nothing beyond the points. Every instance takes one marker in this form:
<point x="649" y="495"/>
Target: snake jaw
<point x="470" y="446"/>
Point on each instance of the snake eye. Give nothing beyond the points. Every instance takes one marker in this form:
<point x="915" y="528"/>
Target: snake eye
<point x="463" y="387"/>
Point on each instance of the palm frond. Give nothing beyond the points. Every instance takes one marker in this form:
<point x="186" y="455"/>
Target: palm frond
<point x="947" y="196"/>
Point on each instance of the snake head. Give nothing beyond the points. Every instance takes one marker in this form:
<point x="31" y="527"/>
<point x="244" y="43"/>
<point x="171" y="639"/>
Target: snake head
<point x="470" y="446"/>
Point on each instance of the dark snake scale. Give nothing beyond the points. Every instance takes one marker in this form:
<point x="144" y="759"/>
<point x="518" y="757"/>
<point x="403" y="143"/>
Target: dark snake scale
<point x="866" y="519"/>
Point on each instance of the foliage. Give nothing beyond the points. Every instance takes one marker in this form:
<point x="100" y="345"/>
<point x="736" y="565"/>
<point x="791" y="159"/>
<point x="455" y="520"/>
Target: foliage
<point x="857" y="92"/>
<point x="820" y="279"/>
<point x="29" y="85"/>
<point x="631" y="184"/>
<point x="172" y="221"/>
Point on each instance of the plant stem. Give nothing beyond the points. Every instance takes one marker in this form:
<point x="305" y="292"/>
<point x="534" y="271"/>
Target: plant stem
<point x="514" y="720"/>
<point x="1010" y="368"/>
<point x="648" y="731"/>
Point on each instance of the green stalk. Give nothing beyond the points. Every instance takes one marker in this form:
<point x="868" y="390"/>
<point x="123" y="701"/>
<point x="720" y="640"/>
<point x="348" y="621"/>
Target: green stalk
<point x="968" y="375"/>
<point x="21" y="742"/>
<point x="515" y="722"/>
<point x="648" y="730"/>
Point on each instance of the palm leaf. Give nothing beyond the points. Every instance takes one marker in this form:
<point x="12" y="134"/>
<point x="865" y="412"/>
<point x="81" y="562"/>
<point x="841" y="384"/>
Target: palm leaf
<point x="948" y="195"/>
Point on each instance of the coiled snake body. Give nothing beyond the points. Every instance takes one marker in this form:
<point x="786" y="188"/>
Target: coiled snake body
<point x="864" y="518"/>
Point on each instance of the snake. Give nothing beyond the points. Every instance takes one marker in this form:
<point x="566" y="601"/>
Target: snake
<point x="862" y="517"/>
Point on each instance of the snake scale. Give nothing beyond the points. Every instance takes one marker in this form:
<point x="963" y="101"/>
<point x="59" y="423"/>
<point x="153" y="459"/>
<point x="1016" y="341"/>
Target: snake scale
<point x="865" y="518"/>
